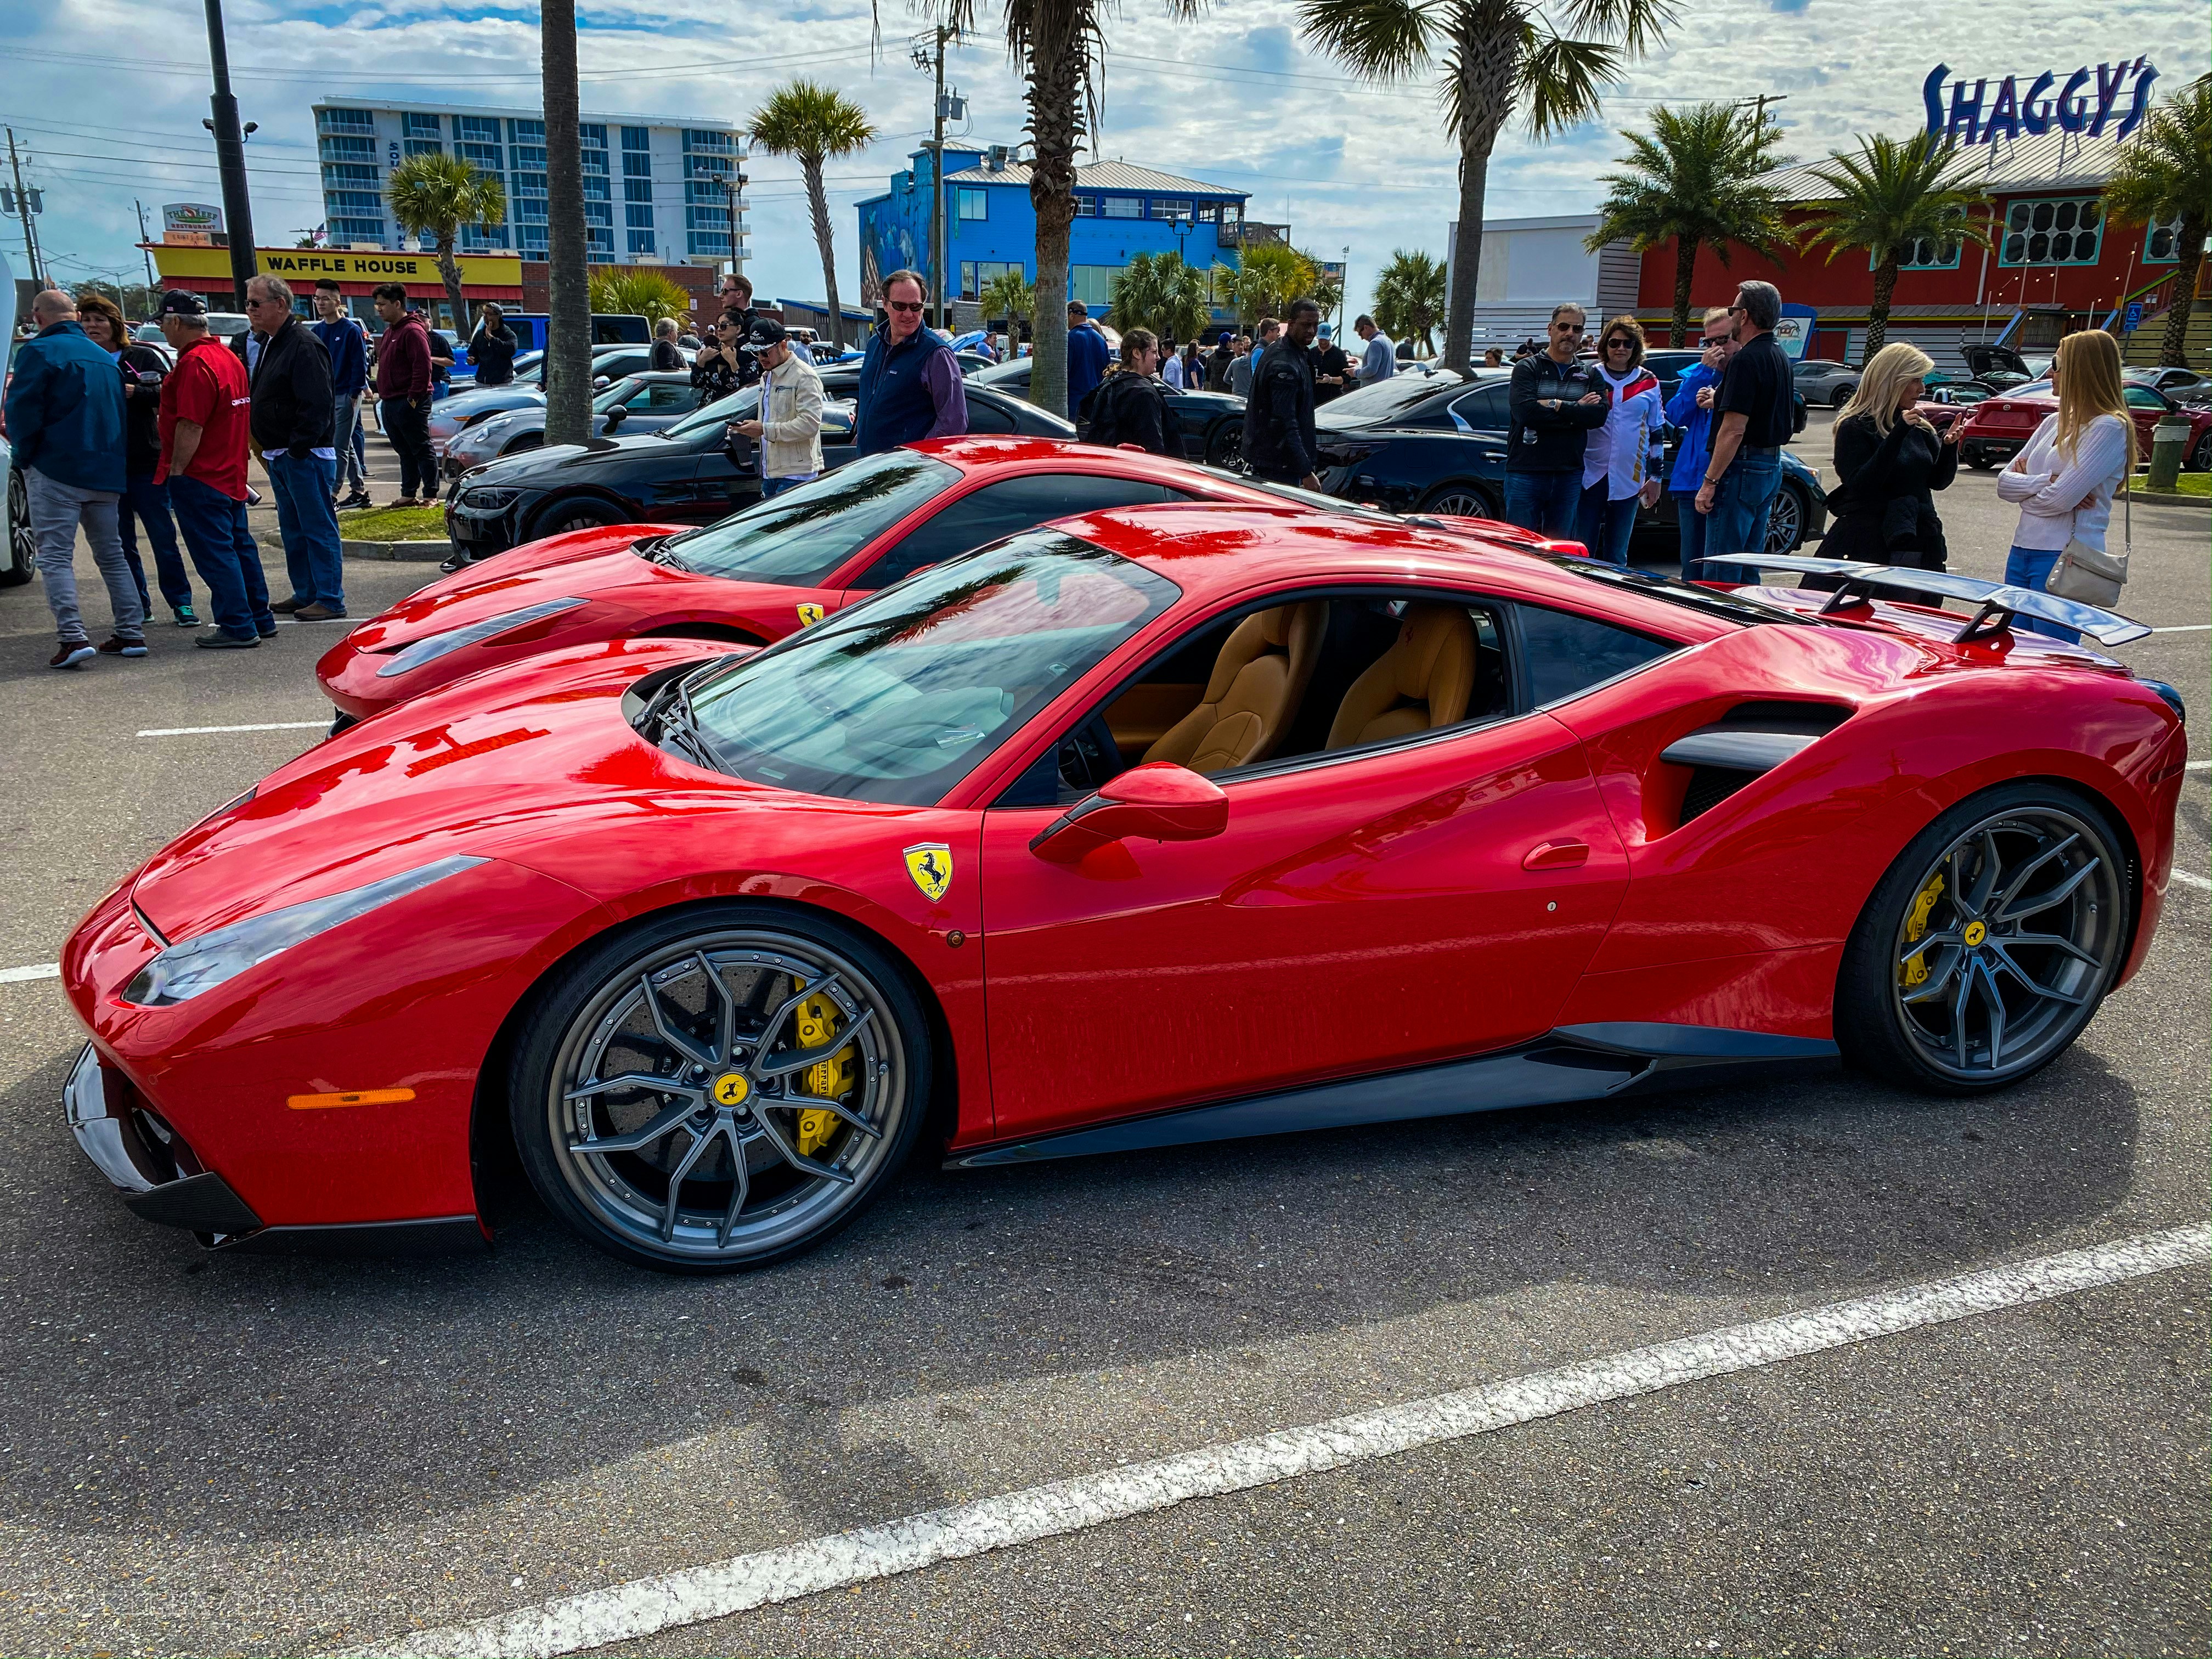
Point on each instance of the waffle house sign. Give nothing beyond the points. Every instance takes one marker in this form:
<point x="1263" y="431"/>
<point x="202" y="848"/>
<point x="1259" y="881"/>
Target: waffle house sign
<point x="486" y="276"/>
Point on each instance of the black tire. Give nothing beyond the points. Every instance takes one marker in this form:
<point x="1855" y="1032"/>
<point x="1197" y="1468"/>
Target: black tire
<point x="645" y="988"/>
<point x="1841" y="396"/>
<point x="1225" y="448"/>
<point x="22" y="552"/>
<point x="2200" y="458"/>
<point x="1976" y="458"/>
<point x="340" y="721"/>
<point x="1786" y="519"/>
<point x="1460" y="501"/>
<point x="557" y="517"/>
<point x="1880" y="1034"/>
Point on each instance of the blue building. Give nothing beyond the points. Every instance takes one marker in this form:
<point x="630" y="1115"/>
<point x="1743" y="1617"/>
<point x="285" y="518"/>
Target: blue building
<point x="1121" y="210"/>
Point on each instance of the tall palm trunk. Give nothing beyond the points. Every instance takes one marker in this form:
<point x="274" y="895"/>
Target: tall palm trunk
<point x="1481" y="65"/>
<point x="1686" y="267"/>
<point x="1884" y="285"/>
<point x="818" y="204"/>
<point x="568" y="301"/>
<point x="1055" y="102"/>
<point x="2189" y="250"/>
<point x="450" y="269"/>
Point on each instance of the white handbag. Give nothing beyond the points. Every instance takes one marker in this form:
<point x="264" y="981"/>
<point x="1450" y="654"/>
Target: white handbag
<point x="2089" y="573"/>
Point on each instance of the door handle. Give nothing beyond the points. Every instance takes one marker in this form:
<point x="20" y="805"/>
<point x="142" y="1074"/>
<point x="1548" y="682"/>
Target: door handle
<point x="1556" y="855"/>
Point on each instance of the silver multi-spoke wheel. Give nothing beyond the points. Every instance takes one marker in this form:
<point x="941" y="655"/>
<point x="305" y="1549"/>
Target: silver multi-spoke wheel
<point x="1989" y="945"/>
<point x="1458" y="502"/>
<point x="719" y="1096"/>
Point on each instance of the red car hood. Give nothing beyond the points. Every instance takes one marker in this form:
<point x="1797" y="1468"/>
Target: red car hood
<point x="513" y="761"/>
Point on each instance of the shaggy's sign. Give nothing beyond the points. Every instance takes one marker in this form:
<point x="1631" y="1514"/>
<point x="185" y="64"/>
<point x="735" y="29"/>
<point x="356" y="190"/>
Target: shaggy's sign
<point x="2083" y="104"/>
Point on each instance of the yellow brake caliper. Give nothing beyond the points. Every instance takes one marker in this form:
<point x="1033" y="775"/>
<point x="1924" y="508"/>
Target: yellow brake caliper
<point x="829" y="1078"/>
<point x="1914" y="969"/>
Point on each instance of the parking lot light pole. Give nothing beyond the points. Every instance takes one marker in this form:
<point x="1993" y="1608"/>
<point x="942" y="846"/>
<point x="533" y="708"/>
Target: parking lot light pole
<point x="230" y="159"/>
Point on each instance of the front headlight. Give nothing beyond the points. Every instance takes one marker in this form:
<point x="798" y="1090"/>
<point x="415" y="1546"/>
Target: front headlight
<point x="437" y="645"/>
<point x="183" y="971"/>
<point x="489" y="497"/>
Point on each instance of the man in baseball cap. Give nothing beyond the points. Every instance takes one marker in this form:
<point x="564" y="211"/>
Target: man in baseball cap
<point x="206" y="405"/>
<point x="788" y="431"/>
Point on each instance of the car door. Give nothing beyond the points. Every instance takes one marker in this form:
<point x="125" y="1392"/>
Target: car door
<point x="659" y="404"/>
<point x="2145" y="407"/>
<point x="1364" y="910"/>
<point x="962" y="523"/>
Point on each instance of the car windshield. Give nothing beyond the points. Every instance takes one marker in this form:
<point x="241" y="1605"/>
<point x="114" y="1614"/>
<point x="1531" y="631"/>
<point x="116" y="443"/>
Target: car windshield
<point x="898" y="698"/>
<point x="1384" y="401"/>
<point x="736" y="407"/>
<point x="1014" y="374"/>
<point x="529" y="368"/>
<point x="1711" y="600"/>
<point x="801" y="536"/>
<point x="615" y="394"/>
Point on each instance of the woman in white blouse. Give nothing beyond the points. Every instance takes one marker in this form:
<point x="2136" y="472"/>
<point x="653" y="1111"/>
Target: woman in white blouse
<point x="2066" y="476"/>
<point x="1620" y="460"/>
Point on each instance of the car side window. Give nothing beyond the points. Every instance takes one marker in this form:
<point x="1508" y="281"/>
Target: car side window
<point x="2142" y="396"/>
<point x="667" y="397"/>
<point x="1562" y="654"/>
<point x="1483" y="408"/>
<point x="982" y="516"/>
<point x="984" y="417"/>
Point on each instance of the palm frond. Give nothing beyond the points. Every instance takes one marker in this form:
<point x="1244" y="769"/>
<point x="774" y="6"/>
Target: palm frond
<point x="1561" y="79"/>
<point x="1380" y="39"/>
<point x="1639" y="25"/>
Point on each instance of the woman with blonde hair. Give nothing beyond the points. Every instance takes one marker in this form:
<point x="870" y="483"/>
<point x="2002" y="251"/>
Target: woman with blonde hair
<point x="1621" y="458"/>
<point x="2065" y="477"/>
<point x="1889" y="463"/>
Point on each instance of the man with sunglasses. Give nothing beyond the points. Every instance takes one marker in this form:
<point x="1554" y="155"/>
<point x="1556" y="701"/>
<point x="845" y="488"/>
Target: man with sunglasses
<point x="1754" y="414"/>
<point x="1557" y="400"/>
<point x="1691" y="409"/>
<point x="909" y="379"/>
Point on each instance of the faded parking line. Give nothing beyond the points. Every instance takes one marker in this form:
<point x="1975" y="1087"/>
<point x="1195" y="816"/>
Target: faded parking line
<point x="203" y="731"/>
<point x="692" y="1595"/>
<point x="36" y="970"/>
<point x="2188" y="880"/>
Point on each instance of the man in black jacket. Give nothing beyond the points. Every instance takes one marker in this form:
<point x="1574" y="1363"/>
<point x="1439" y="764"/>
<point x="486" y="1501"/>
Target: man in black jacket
<point x="293" y="415"/>
<point x="1557" y="400"/>
<point x="1278" y="418"/>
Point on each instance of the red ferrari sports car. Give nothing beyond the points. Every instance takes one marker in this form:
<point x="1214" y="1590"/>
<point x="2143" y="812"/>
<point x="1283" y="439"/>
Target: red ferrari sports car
<point x="761" y="574"/>
<point x="1155" y="826"/>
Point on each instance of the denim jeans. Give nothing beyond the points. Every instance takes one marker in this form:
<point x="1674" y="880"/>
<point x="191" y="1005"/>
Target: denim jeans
<point x="309" y="526"/>
<point x="1692" y="525"/>
<point x="777" y="486"/>
<point x="148" y="504"/>
<point x="345" y="421"/>
<point x="1737" y="523"/>
<point x="1545" y="503"/>
<point x="1603" y="525"/>
<point x="57" y="510"/>
<point x="2031" y="567"/>
<point x="406" y="423"/>
<point x="223" y="552"/>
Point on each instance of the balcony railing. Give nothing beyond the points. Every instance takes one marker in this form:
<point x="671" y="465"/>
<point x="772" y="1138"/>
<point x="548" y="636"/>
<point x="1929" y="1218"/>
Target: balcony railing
<point x="1251" y="233"/>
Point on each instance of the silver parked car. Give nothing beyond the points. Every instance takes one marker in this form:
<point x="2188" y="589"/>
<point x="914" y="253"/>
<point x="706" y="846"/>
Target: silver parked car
<point x="637" y="403"/>
<point x="1822" y="381"/>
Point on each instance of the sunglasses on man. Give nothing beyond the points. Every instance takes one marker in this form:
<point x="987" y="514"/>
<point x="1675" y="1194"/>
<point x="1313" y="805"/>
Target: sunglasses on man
<point x="903" y="305"/>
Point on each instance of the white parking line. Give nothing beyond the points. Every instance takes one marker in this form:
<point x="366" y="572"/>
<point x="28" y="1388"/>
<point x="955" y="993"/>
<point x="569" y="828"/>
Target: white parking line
<point x="2186" y="628"/>
<point x="642" y="1607"/>
<point x="2196" y="766"/>
<point x="2188" y="880"/>
<point x="36" y="970"/>
<point x="201" y="730"/>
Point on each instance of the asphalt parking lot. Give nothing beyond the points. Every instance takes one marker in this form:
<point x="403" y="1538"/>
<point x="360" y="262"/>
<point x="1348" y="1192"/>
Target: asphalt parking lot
<point x="216" y="1453"/>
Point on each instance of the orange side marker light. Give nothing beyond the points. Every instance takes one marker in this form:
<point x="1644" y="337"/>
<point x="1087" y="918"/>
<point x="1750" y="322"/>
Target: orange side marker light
<point x="357" y="1097"/>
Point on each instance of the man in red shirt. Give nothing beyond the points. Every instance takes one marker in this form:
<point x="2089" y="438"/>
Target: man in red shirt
<point x="402" y="394"/>
<point x="205" y="405"/>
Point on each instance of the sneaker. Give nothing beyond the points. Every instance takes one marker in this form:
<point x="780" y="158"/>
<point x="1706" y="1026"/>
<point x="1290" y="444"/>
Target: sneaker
<point x="318" y="612"/>
<point x="357" y="502"/>
<point x="72" y="653"/>
<point x="118" y="645"/>
<point x="458" y="561"/>
<point x="268" y="633"/>
<point x="186" y="618"/>
<point x="214" y="639"/>
<point x="286" y="607"/>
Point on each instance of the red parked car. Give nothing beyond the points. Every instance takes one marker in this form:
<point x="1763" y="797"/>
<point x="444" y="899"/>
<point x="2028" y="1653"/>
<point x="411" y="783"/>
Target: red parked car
<point x="1153" y="827"/>
<point x="1998" y="428"/>
<point x="761" y="574"/>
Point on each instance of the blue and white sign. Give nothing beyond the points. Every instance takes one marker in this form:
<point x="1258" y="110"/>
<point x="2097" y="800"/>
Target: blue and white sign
<point x="1980" y="117"/>
<point x="2132" y="319"/>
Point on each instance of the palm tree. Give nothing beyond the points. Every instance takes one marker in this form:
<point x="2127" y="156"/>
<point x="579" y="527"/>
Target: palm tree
<point x="638" y="293"/>
<point x="1696" y="176"/>
<point x="1409" y="298"/>
<point x="1157" y="291"/>
<point x="1061" y="45"/>
<point x="1270" y="276"/>
<point x="1494" y="55"/>
<point x="1888" y="196"/>
<point x="568" y="304"/>
<point x="1012" y="296"/>
<point x="815" y="123"/>
<point x="434" y="195"/>
<point x="2165" y="172"/>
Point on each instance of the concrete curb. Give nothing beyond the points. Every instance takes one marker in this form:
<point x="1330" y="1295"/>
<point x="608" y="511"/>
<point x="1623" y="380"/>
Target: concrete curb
<point x="428" y="552"/>
<point x="2160" y="498"/>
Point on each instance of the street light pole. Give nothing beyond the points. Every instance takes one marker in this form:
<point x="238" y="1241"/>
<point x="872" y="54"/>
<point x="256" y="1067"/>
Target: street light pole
<point x="146" y="255"/>
<point x="23" y="207"/>
<point x="230" y="159"/>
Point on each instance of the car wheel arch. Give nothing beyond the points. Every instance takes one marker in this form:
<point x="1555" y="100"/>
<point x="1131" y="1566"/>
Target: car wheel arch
<point x="1492" y="506"/>
<point x="546" y="508"/>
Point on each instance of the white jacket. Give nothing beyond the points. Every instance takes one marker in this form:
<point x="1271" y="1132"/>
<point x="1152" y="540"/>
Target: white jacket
<point x="2049" y="489"/>
<point x="791" y="420"/>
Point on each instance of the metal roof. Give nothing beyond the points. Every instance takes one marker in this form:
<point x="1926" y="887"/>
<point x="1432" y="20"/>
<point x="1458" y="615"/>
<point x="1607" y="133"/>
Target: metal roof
<point x="2053" y="161"/>
<point x="1101" y="175"/>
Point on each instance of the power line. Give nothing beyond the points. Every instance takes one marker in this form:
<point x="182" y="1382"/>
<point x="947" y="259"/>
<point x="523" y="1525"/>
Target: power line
<point x="693" y="68"/>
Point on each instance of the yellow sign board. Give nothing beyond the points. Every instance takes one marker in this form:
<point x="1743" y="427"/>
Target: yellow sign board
<point x="296" y="264"/>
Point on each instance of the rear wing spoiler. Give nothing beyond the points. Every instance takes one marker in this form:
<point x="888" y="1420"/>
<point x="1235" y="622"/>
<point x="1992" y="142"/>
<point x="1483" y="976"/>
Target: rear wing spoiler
<point x="1997" y="603"/>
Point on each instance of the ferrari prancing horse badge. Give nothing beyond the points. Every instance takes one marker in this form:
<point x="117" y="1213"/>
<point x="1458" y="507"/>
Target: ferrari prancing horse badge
<point x="809" y="615"/>
<point x="930" y="864"/>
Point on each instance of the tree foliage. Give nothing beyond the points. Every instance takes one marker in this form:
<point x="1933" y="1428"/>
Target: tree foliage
<point x="1409" y="298"/>
<point x="434" y="195"/>
<point x="1009" y="296"/>
<point x="1889" y="194"/>
<point x="812" y="125"/>
<point x="1160" y="292"/>
<point x="1268" y="277"/>
<point x="2165" y="173"/>
<point x="638" y="293"/>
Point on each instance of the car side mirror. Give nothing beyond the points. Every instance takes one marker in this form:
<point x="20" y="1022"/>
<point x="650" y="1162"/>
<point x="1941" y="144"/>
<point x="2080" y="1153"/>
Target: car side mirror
<point x="1157" y="801"/>
<point x="600" y="383"/>
<point x="616" y="416"/>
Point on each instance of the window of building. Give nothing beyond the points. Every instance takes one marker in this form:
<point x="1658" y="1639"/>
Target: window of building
<point x="1169" y="207"/>
<point x="2161" y="242"/>
<point x="347" y="120"/>
<point x="338" y="175"/>
<point x="976" y="274"/>
<point x="636" y="165"/>
<point x="641" y="241"/>
<point x="1122" y="207"/>
<point x="707" y="218"/>
<point x="599" y="213"/>
<point x="1092" y="284"/>
<point x="349" y="149"/>
<point x="707" y="166"/>
<point x="595" y="163"/>
<point x="1925" y="253"/>
<point x="600" y="244"/>
<point x="637" y="189"/>
<point x="528" y="184"/>
<point x="356" y="230"/>
<point x="592" y="134"/>
<point x="526" y="132"/>
<point x="638" y="218"/>
<point x="489" y="157"/>
<point x="425" y="147"/>
<point x="482" y="129"/>
<point x="598" y="190"/>
<point x="531" y="239"/>
<point x="1209" y="213"/>
<point x="973" y="203"/>
<point x="636" y="138"/>
<point x="2063" y="231"/>
<point x="1086" y="207"/>
<point x="530" y="209"/>
<point x="697" y="138"/>
<point x="352" y="200"/>
<point x="527" y="155"/>
<point x="703" y="242"/>
<point x="413" y="124"/>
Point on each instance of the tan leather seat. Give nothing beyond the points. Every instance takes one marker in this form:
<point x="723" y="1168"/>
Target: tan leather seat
<point x="1257" y="681"/>
<point x="1422" y="682"/>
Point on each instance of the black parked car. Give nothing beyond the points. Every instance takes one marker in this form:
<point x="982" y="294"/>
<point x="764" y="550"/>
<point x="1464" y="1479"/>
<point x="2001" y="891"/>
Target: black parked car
<point x="1211" y="423"/>
<point x="1438" y="446"/>
<point x="692" y="472"/>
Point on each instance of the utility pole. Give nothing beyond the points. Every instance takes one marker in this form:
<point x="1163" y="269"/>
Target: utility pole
<point x="23" y="207"/>
<point x="1758" y="107"/>
<point x="230" y="159"/>
<point x="929" y="54"/>
<point x="144" y="253"/>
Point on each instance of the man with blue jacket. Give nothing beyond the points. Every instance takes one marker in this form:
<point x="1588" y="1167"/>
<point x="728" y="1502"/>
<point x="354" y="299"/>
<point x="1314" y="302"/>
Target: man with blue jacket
<point x="910" y="385"/>
<point x="1691" y="409"/>
<point x="65" y="424"/>
<point x="1089" y="357"/>
<point x="343" y="338"/>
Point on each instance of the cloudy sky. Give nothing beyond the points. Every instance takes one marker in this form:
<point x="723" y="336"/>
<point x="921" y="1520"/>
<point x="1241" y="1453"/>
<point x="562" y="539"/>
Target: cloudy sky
<point x="106" y="101"/>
